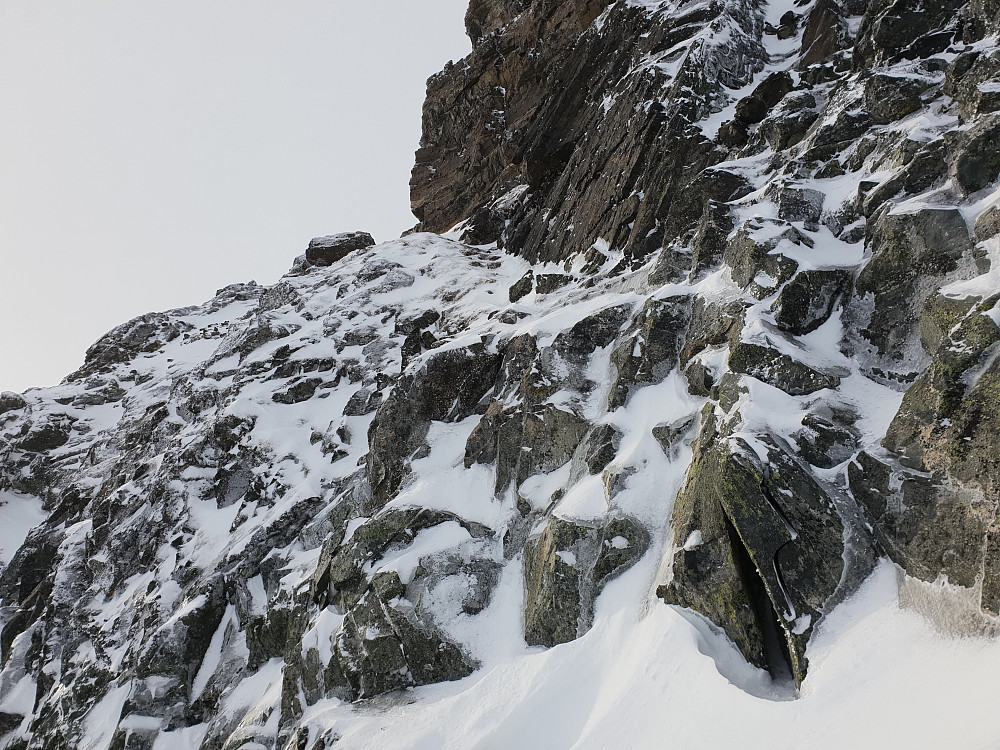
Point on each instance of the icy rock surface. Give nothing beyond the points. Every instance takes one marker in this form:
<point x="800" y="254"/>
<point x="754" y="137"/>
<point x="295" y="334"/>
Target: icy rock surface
<point x="700" y="327"/>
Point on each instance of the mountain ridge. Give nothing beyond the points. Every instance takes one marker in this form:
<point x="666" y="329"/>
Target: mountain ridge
<point x="694" y="346"/>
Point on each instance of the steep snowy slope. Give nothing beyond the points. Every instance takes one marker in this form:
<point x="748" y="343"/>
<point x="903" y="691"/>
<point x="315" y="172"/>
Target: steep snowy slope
<point x="675" y="424"/>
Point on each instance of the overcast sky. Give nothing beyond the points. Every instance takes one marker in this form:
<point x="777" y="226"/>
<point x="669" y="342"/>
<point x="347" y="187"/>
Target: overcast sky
<point x="153" y="151"/>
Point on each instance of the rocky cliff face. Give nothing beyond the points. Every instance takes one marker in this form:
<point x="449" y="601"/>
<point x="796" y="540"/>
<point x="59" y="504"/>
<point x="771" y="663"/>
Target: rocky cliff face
<point x="703" y="292"/>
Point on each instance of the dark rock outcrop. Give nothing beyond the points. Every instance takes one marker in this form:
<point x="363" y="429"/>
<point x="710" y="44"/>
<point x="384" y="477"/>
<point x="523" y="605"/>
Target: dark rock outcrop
<point x="325" y="251"/>
<point x="759" y="549"/>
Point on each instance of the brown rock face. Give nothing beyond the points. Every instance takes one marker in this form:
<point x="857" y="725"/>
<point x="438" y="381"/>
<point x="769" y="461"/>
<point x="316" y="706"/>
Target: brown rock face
<point x="566" y="129"/>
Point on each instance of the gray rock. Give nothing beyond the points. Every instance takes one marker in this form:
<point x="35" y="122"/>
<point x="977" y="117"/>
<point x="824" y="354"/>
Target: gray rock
<point x="301" y="391"/>
<point x="364" y="401"/>
<point x="279" y="295"/>
<point x="565" y="148"/>
<point x="449" y="386"/>
<point x="799" y="204"/>
<point x="522" y="287"/>
<point x="712" y="324"/>
<point x="988" y="224"/>
<point x="124" y="343"/>
<point x="565" y="568"/>
<point x="759" y="550"/>
<point x="325" y="251"/>
<point x="45" y="437"/>
<point x="908" y="250"/>
<point x="807" y="301"/>
<point x="379" y="649"/>
<point x="341" y="578"/>
<point x="968" y="80"/>
<point x="826" y="442"/>
<point x="546" y="283"/>
<point x="977" y="163"/>
<point x="926" y="167"/>
<point x="926" y="528"/>
<point x="890" y="98"/>
<point x="10" y="401"/>
<point x="825" y="33"/>
<point x="596" y="450"/>
<point x="788" y="123"/>
<point x="780" y="370"/>
<point x="652" y="349"/>
<point x="754" y="264"/>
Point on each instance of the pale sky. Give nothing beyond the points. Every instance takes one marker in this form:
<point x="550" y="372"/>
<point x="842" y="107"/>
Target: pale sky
<point x="153" y="151"/>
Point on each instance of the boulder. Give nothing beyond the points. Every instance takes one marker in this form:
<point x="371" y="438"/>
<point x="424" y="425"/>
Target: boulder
<point x="378" y="648"/>
<point x="890" y="98"/>
<point x="774" y="368"/>
<point x="926" y="528"/>
<point x="712" y="324"/>
<point x="926" y="166"/>
<point x="652" y="348"/>
<point x="827" y="441"/>
<point x="449" y="386"/>
<point x="565" y="568"/>
<point x="807" y="301"/>
<point x="46" y="436"/>
<point x="10" y="401"/>
<point x="755" y="107"/>
<point x="363" y="401"/>
<point x="301" y="391"/>
<point x="758" y="549"/>
<point x="988" y="224"/>
<point x="325" y="251"/>
<point x="546" y="283"/>
<point x="971" y="80"/>
<point x="788" y="123"/>
<point x="908" y="251"/>
<point x="522" y="287"/>
<point x="799" y="204"/>
<point x="825" y="33"/>
<point x="977" y="163"/>
<point x="755" y="264"/>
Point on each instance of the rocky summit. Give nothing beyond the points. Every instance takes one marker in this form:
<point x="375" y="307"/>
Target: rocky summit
<point x="675" y="421"/>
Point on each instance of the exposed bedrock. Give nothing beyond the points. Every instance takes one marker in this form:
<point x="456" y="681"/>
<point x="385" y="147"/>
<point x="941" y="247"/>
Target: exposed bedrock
<point x="557" y="132"/>
<point x="759" y="548"/>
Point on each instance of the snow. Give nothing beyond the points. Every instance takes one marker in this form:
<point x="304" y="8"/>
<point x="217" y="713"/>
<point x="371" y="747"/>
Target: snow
<point x="693" y="541"/>
<point x="984" y="285"/>
<point x="102" y="720"/>
<point x="19" y="699"/>
<point x="539" y="489"/>
<point x="644" y="675"/>
<point x="181" y="739"/>
<point x="19" y="514"/>
<point x="469" y="491"/>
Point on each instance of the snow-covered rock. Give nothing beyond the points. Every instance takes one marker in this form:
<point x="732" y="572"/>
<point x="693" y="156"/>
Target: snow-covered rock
<point x="700" y="328"/>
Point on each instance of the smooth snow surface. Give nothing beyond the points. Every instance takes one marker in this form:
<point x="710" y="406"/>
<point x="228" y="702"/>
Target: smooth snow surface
<point x="19" y="514"/>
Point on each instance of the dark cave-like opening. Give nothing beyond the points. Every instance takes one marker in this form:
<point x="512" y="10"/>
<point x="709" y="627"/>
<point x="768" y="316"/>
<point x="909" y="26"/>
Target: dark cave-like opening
<point x="776" y="656"/>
